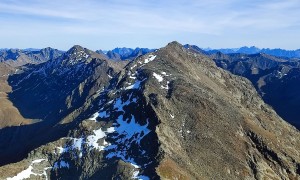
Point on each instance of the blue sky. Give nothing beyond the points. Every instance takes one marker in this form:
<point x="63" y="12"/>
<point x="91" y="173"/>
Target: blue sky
<point x="103" y="24"/>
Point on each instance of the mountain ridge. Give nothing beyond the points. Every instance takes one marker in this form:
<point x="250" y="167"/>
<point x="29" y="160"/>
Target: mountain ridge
<point x="17" y="57"/>
<point x="52" y="93"/>
<point x="121" y="54"/>
<point x="252" y="50"/>
<point x="170" y="114"/>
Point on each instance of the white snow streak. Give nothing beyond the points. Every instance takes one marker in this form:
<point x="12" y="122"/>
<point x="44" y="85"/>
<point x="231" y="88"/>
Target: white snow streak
<point x="94" y="117"/>
<point x="136" y="85"/>
<point x="158" y="77"/>
<point x="149" y="59"/>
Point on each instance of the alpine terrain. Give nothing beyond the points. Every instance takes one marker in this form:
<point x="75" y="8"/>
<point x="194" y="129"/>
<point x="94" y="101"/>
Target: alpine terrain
<point x="171" y="113"/>
<point x="275" y="78"/>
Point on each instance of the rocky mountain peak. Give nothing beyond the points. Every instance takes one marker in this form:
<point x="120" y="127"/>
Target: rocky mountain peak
<point x="76" y="48"/>
<point x="174" y="44"/>
<point x="47" y="49"/>
<point x="49" y="53"/>
<point x="122" y="51"/>
<point x="78" y="54"/>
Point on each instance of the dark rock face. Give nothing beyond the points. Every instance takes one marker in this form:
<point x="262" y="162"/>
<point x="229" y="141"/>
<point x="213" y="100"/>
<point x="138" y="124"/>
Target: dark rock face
<point x="170" y="114"/>
<point x="281" y="90"/>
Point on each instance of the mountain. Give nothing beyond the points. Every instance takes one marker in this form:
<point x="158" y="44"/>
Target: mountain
<point x="45" y="54"/>
<point x="101" y="52"/>
<point x="113" y="56"/>
<point x="138" y="52"/>
<point x="282" y="52"/>
<point x="277" y="80"/>
<point x="52" y="94"/>
<point x="251" y="50"/>
<point x="121" y="54"/>
<point x="169" y="114"/>
<point x="17" y="57"/>
<point x="248" y="50"/>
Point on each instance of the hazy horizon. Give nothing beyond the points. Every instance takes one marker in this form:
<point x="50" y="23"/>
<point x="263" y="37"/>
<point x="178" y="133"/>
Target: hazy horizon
<point x="205" y="48"/>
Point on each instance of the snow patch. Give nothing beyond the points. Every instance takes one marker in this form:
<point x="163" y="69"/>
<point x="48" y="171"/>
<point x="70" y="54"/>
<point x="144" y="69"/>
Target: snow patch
<point x="149" y="59"/>
<point x="61" y="164"/>
<point x="172" y="116"/>
<point x="158" y="77"/>
<point x="135" y="175"/>
<point x="103" y="114"/>
<point x="92" y="140"/>
<point x="136" y="85"/>
<point x="165" y="87"/>
<point x="132" y="77"/>
<point x="132" y="128"/>
<point x="110" y="130"/>
<point x="61" y="150"/>
<point x="132" y="67"/>
<point x="27" y="172"/>
<point x="77" y="143"/>
<point x="94" y="117"/>
<point x="119" y="104"/>
<point x="143" y="177"/>
<point x="128" y="132"/>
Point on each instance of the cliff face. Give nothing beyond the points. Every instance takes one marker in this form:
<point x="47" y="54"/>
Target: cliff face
<point x="170" y="114"/>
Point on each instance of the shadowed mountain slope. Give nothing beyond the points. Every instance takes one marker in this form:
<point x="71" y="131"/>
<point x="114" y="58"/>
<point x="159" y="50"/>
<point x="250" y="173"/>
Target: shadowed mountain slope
<point x="53" y="93"/>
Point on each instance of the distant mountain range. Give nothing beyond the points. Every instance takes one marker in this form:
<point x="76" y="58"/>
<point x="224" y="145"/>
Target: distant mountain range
<point x="18" y="57"/>
<point x="253" y="50"/>
<point x="124" y="53"/>
<point x="34" y="55"/>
